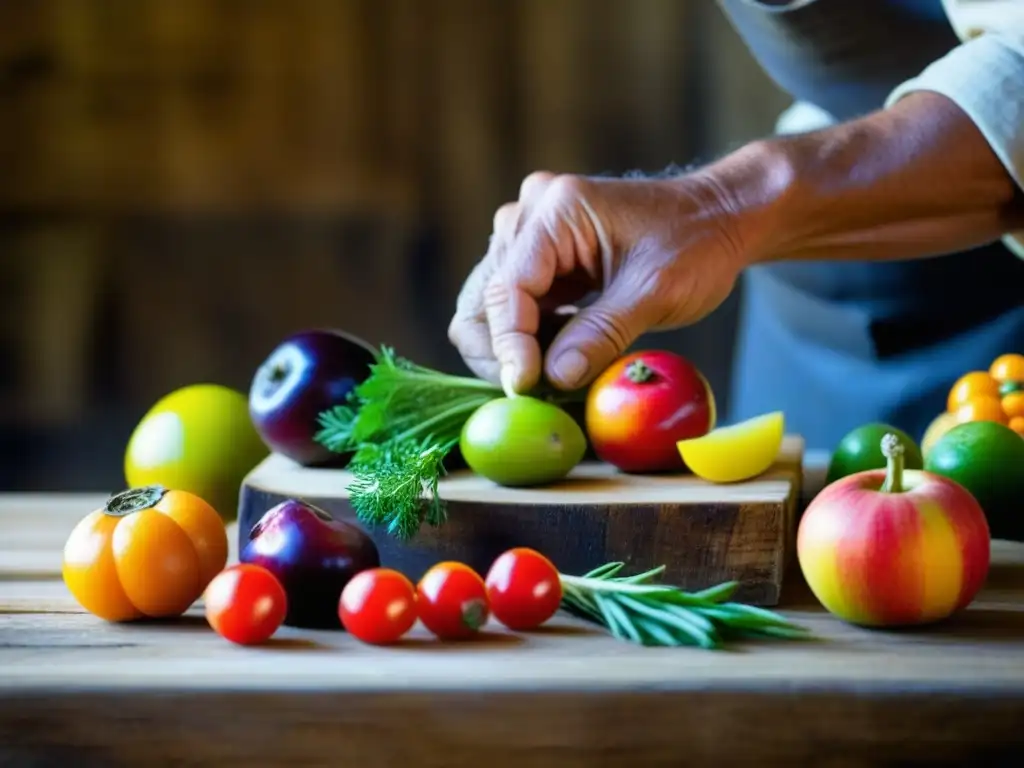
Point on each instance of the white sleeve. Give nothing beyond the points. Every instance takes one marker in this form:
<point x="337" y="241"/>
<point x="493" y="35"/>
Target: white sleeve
<point x="984" y="76"/>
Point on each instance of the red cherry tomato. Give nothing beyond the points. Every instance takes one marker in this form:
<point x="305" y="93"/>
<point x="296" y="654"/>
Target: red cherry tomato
<point x="642" y="405"/>
<point x="378" y="606"/>
<point x="452" y="601"/>
<point x="523" y="588"/>
<point x="245" y="604"/>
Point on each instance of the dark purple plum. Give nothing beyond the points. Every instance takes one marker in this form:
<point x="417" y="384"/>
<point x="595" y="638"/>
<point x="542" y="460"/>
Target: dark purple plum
<point x="313" y="555"/>
<point x="306" y="374"/>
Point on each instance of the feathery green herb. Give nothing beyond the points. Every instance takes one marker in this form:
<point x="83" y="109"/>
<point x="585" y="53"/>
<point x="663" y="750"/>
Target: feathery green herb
<point x="634" y="609"/>
<point x="400" y="423"/>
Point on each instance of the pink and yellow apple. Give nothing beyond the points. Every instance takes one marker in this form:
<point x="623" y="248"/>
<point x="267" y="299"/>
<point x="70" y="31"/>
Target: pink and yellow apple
<point x="894" y="547"/>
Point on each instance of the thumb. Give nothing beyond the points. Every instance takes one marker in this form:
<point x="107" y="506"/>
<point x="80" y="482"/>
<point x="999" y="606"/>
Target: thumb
<point x="598" y="335"/>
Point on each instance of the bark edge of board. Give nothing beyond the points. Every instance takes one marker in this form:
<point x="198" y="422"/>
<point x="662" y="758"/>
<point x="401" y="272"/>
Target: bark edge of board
<point x="702" y="533"/>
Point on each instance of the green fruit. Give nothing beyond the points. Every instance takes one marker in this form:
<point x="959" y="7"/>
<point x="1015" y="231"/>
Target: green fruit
<point x="522" y="441"/>
<point x="198" y="439"/>
<point x="987" y="459"/>
<point x="861" y="450"/>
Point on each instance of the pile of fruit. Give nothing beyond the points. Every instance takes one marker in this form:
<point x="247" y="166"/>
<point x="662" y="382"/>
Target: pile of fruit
<point x="995" y="395"/>
<point x="324" y="398"/>
<point x="901" y="532"/>
<point x="152" y="553"/>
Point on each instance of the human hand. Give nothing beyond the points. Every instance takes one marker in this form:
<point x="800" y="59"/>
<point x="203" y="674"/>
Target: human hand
<point x="662" y="253"/>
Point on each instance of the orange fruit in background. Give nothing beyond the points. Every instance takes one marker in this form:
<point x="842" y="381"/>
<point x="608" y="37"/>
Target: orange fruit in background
<point x="981" y="408"/>
<point x="995" y="395"/>
<point x="972" y="386"/>
<point x="1013" y="404"/>
<point x="1009" y="367"/>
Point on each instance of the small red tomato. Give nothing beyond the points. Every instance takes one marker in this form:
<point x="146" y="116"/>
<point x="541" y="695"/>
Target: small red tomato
<point x="245" y="604"/>
<point x="378" y="606"/>
<point x="523" y="588"/>
<point x="452" y="601"/>
<point x="642" y="405"/>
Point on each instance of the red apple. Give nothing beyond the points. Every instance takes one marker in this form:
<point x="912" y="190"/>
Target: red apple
<point x="894" y="546"/>
<point x="306" y="374"/>
<point x="642" y="405"/>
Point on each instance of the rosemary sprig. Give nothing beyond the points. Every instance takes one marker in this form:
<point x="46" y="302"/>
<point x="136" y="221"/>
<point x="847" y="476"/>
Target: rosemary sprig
<point x="634" y="609"/>
<point x="400" y="424"/>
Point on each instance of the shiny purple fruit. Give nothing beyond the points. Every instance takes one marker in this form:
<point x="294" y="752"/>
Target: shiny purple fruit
<point x="313" y="555"/>
<point x="306" y="374"/>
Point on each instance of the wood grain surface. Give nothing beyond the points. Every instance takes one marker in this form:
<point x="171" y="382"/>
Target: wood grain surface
<point x="74" y="690"/>
<point x="701" y="532"/>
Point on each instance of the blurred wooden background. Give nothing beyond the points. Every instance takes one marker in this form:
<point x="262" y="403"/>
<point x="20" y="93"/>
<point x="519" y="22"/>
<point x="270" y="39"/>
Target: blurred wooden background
<point x="184" y="182"/>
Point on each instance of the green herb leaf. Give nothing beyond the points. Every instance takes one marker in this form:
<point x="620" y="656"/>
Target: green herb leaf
<point x="400" y="423"/>
<point x="635" y="610"/>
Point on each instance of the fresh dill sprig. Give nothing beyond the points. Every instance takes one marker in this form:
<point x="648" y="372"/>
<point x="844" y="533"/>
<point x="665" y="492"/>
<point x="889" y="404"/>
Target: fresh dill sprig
<point x="391" y="480"/>
<point x="400" y="423"/>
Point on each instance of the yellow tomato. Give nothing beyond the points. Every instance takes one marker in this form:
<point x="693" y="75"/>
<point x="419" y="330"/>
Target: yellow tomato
<point x="1013" y="404"/>
<point x="981" y="408"/>
<point x="148" y="552"/>
<point x="198" y="439"/>
<point x="1009" y="367"/>
<point x="1017" y="425"/>
<point x="734" y="453"/>
<point x="970" y="386"/>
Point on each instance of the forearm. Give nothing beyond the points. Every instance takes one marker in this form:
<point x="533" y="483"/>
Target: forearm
<point x="917" y="179"/>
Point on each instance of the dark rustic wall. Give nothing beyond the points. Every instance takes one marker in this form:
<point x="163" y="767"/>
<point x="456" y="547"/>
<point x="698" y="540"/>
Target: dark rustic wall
<point x="183" y="182"/>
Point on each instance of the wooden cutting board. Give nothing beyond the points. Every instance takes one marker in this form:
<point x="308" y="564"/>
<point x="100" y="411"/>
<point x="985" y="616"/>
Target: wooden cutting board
<point x="701" y="532"/>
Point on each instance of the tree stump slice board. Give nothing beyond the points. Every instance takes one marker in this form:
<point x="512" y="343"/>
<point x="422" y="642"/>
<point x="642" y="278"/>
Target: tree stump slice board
<point x="703" y="533"/>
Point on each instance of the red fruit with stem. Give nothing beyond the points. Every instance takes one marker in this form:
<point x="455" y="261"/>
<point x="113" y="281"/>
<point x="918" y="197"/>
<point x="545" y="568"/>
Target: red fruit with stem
<point x="642" y="405"/>
<point x="894" y="546"/>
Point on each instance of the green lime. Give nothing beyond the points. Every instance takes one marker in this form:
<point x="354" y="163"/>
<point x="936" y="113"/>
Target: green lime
<point x="522" y="441"/>
<point x="987" y="459"/>
<point x="861" y="450"/>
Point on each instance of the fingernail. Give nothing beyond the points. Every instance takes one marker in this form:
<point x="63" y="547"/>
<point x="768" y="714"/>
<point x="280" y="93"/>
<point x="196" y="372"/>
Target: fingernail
<point x="508" y="377"/>
<point x="570" y="367"/>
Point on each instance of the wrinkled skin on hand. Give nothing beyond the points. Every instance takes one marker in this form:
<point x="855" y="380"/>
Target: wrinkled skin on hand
<point x="659" y="254"/>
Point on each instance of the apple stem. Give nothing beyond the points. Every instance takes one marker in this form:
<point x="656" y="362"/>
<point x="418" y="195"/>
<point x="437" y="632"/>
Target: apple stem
<point x="134" y="500"/>
<point x="639" y="372"/>
<point x="892" y="449"/>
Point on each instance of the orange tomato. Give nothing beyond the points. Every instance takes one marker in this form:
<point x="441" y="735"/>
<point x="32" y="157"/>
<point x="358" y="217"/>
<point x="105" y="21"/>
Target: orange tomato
<point x="1009" y="367"/>
<point x="1013" y="404"/>
<point x="148" y="552"/>
<point x="970" y="386"/>
<point x="1017" y="425"/>
<point x="981" y="408"/>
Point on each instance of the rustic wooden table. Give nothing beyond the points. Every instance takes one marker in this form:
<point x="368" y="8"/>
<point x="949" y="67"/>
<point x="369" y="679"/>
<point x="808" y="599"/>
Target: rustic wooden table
<point x="76" y="691"/>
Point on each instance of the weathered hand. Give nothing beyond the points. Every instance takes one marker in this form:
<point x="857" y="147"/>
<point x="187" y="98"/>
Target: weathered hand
<point x="661" y="253"/>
